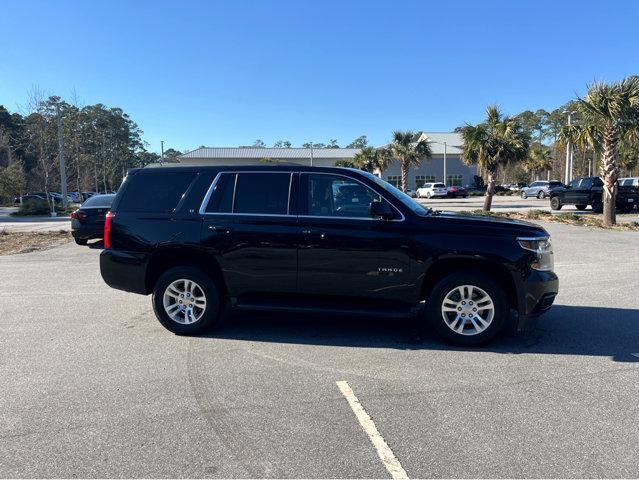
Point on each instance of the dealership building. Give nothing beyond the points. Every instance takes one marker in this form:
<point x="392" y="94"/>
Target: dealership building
<point x="443" y="145"/>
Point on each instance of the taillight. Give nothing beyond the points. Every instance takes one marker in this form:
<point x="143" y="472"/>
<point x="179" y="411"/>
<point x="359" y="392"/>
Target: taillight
<point x="78" y="215"/>
<point x="107" y="229"/>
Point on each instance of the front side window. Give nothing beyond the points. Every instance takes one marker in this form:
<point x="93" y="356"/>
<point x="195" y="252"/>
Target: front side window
<point x="337" y="196"/>
<point x="574" y="183"/>
<point x="251" y="193"/>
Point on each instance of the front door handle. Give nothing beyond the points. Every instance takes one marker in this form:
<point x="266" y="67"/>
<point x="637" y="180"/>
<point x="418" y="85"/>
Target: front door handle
<point x="220" y="229"/>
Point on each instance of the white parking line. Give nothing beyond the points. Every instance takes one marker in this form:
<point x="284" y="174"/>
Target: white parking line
<point x="383" y="450"/>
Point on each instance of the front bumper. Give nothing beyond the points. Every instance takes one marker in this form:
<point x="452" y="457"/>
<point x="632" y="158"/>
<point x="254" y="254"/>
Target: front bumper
<point x="124" y="271"/>
<point x="536" y="296"/>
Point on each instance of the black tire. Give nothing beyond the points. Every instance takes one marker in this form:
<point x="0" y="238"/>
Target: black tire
<point x="555" y="203"/>
<point x="435" y="316"/>
<point x="524" y="195"/>
<point x="210" y="317"/>
<point x="541" y="195"/>
<point x="81" y="241"/>
<point x="581" y="207"/>
<point x="427" y="194"/>
<point x="597" y="206"/>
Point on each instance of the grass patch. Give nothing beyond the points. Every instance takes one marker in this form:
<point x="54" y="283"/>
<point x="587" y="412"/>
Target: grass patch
<point x="568" y="218"/>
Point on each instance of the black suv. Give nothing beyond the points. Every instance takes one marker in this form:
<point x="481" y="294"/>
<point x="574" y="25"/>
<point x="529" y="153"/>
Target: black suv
<point x="585" y="191"/>
<point x="333" y="240"/>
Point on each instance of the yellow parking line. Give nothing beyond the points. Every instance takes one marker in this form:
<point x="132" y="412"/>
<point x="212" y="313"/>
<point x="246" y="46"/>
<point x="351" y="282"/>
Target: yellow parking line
<point x="383" y="450"/>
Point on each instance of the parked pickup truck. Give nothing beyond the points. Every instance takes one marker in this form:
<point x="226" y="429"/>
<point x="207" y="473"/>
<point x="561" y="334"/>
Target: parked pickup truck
<point x="585" y="191"/>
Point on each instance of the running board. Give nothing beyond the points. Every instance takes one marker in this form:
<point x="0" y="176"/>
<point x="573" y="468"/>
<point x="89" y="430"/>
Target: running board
<point x="334" y="310"/>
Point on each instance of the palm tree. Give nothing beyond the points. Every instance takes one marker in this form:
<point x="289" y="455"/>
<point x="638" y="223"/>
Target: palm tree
<point x="539" y="160"/>
<point x="497" y="141"/>
<point x="610" y="114"/>
<point x="408" y="151"/>
<point x="371" y="159"/>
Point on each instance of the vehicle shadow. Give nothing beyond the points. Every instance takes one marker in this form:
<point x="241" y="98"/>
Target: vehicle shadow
<point x="564" y="330"/>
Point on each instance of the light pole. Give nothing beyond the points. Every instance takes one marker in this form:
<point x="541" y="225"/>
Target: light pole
<point x="311" y="154"/>
<point x="162" y="150"/>
<point x="445" y="153"/>
<point x="63" y="171"/>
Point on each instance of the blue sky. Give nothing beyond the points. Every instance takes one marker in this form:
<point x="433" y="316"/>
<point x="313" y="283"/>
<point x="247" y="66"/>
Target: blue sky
<point x="226" y="73"/>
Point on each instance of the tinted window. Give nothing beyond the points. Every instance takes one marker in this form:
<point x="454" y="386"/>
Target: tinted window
<point x="597" y="182"/>
<point x="155" y="193"/>
<point x="439" y="185"/>
<point x="335" y="196"/>
<point x="555" y="184"/>
<point x="98" y="201"/>
<point x="585" y="183"/>
<point x="221" y="200"/>
<point x="574" y="183"/>
<point x="262" y="193"/>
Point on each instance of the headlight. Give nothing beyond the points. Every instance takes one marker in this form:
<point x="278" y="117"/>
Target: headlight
<point x="542" y="247"/>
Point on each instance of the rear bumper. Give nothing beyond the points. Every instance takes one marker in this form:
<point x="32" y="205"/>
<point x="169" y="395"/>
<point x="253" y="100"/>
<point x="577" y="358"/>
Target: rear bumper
<point x="124" y="271"/>
<point x="87" y="233"/>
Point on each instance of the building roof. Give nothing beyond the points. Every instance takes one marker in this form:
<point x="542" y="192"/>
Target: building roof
<point x="277" y="153"/>
<point x="454" y="142"/>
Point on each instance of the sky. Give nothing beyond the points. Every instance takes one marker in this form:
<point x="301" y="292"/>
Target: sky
<point x="225" y="73"/>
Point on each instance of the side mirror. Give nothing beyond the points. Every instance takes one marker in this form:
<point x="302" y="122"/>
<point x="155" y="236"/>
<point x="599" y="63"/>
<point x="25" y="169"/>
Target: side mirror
<point x="381" y="210"/>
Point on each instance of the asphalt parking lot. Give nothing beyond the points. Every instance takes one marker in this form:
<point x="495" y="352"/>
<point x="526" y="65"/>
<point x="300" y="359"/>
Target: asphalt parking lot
<point x="92" y="386"/>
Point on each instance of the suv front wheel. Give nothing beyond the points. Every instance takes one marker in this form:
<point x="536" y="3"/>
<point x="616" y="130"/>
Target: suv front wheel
<point x="467" y="308"/>
<point x="186" y="301"/>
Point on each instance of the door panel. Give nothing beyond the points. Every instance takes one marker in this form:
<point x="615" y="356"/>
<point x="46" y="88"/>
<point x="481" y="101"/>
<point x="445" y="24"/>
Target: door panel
<point x="355" y="258"/>
<point x="343" y="251"/>
<point x="257" y="252"/>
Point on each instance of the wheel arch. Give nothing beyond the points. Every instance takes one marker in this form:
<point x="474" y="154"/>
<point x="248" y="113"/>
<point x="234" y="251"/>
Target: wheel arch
<point x="496" y="270"/>
<point x="167" y="258"/>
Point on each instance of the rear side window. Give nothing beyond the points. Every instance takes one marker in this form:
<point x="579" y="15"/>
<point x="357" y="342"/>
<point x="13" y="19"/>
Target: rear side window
<point x="585" y="183"/>
<point x="251" y="193"/>
<point x="439" y="185"/>
<point x="155" y="193"/>
<point x="265" y="194"/>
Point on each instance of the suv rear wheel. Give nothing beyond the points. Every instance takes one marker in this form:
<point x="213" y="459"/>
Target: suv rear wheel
<point x="541" y="194"/>
<point x="555" y="203"/>
<point x="524" y="195"/>
<point x="186" y="301"/>
<point x="467" y="308"/>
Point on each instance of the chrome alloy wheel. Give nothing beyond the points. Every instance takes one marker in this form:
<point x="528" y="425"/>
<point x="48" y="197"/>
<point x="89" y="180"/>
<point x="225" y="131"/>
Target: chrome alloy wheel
<point x="184" y="301"/>
<point x="468" y="310"/>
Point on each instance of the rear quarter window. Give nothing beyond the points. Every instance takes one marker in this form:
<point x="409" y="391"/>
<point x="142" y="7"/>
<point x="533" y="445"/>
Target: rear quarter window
<point x="155" y="193"/>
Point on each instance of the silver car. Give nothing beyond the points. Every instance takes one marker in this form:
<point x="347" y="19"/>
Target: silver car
<point x="539" y="189"/>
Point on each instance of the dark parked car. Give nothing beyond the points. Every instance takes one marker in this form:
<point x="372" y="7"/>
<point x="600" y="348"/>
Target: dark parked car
<point x="456" y="192"/>
<point x="26" y="198"/>
<point x="87" y="222"/>
<point x="280" y="237"/>
<point x="585" y="191"/>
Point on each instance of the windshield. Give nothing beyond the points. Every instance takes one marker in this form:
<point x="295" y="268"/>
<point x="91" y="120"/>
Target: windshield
<point x="398" y="194"/>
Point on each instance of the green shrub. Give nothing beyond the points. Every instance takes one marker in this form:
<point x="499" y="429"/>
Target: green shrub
<point x="34" y="207"/>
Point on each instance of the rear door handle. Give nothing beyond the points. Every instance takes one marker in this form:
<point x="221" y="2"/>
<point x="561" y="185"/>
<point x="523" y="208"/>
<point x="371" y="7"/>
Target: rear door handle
<point x="220" y="228"/>
<point x="308" y="231"/>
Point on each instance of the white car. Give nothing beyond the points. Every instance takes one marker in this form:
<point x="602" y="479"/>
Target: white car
<point x="430" y="190"/>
